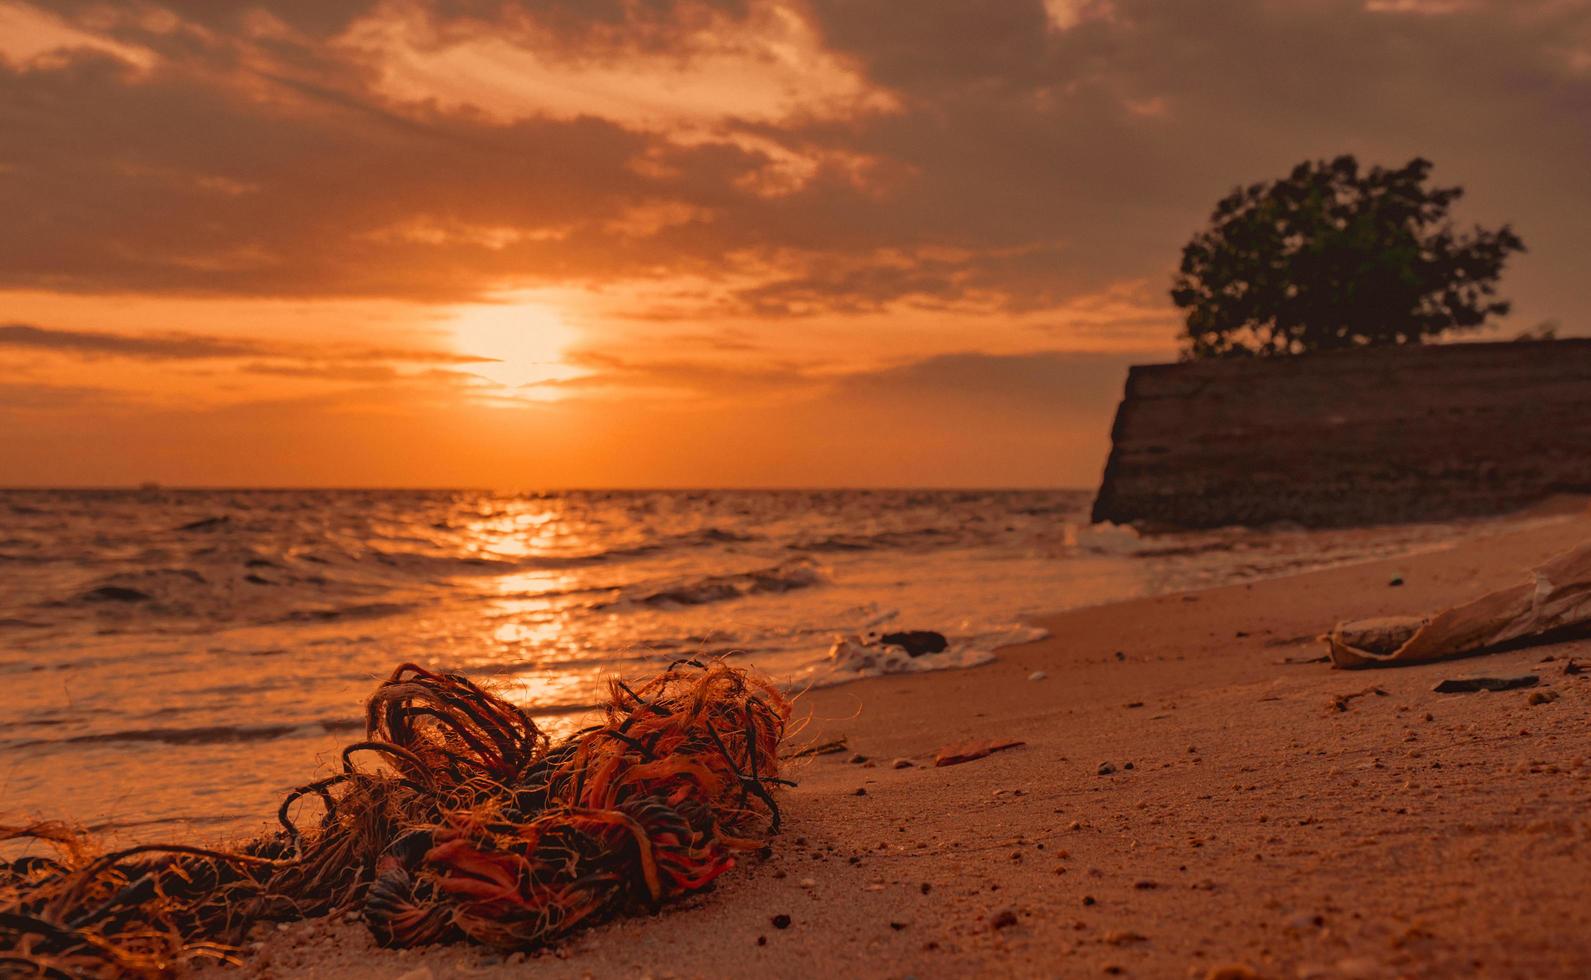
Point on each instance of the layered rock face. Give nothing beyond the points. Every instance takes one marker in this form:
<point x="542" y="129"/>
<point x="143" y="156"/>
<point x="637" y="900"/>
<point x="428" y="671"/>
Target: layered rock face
<point x="1351" y="437"/>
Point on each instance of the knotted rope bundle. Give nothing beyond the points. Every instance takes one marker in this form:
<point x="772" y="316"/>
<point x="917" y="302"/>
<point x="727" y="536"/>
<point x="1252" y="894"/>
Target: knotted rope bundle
<point x="476" y="827"/>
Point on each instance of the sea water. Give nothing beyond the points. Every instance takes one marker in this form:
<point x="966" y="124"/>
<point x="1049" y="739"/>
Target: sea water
<point x="173" y="661"/>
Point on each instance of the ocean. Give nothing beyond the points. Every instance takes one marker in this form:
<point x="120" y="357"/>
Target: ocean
<point x="174" y="660"/>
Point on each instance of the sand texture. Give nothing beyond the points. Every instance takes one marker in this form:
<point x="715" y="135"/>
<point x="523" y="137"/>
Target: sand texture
<point x="1188" y="797"/>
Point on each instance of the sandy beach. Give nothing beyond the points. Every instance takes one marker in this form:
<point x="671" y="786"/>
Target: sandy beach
<point x="1264" y="816"/>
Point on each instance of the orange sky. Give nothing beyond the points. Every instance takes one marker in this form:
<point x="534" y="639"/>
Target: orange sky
<point x="730" y="242"/>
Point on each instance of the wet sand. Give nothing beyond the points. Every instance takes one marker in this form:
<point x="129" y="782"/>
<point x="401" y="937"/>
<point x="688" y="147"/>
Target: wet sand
<point x="1260" y="826"/>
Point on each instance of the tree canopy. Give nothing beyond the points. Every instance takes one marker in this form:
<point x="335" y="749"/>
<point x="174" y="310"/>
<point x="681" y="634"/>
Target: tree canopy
<point x="1331" y="257"/>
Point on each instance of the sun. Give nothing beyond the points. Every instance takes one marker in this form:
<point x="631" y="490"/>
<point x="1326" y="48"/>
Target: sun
<point x="526" y="344"/>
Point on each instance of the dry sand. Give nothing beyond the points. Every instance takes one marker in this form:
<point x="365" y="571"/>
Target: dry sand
<point x="1411" y="834"/>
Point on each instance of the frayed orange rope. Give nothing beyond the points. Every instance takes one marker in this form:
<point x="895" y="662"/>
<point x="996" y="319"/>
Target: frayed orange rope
<point x="480" y="829"/>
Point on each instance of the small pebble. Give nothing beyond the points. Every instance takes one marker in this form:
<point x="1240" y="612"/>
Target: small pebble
<point x="1037" y="675"/>
<point x="902" y="764"/>
<point x="1105" y="769"/>
<point x="1003" y="920"/>
<point x="762" y="940"/>
<point x="1088" y="900"/>
<point x="860" y="791"/>
<point x="1397" y="581"/>
<point x="780" y="921"/>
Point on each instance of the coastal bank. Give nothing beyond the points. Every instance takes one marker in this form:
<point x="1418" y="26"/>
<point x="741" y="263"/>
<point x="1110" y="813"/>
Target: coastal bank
<point x="1351" y="437"/>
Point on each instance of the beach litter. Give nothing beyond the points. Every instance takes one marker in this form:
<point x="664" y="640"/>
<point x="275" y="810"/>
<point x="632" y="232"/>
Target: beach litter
<point x="822" y="748"/>
<point x="955" y="755"/>
<point x="1470" y="685"/>
<point x="476" y="827"/>
<point x="1340" y="702"/>
<point x="1554" y="603"/>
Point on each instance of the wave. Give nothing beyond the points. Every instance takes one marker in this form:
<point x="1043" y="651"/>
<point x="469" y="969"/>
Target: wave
<point x="331" y="614"/>
<point x="206" y="523"/>
<point x="148" y="586"/>
<point x="788" y="576"/>
<point x="882" y="540"/>
<point x="704" y="537"/>
<point x="18" y="623"/>
<point x="207" y="734"/>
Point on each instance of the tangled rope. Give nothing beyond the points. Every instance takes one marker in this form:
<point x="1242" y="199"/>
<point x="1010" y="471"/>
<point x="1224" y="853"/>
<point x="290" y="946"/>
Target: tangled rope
<point x="477" y="827"/>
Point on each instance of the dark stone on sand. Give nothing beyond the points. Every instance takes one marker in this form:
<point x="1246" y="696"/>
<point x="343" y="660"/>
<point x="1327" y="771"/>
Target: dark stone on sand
<point x="116" y="593"/>
<point x="1469" y="685"/>
<point x="1396" y="582"/>
<point x="781" y="921"/>
<point x="916" y="642"/>
<point x="1105" y="769"/>
<point x="1003" y="920"/>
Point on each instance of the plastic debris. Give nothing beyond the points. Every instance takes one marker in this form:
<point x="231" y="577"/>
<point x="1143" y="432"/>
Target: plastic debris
<point x="1557" y="599"/>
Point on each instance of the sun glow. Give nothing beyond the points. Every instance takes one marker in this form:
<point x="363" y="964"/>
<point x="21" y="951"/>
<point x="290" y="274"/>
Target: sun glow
<point x="526" y="344"/>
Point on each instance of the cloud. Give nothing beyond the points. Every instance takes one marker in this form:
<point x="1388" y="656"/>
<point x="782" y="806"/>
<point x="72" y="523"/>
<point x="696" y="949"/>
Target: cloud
<point x="157" y="347"/>
<point x="1043" y="384"/>
<point x="1005" y="156"/>
<point x="199" y="347"/>
<point x="761" y="63"/>
<point x="33" y="37"/>
<point x="1036" y="385"/>
<point x="43" y="397"/>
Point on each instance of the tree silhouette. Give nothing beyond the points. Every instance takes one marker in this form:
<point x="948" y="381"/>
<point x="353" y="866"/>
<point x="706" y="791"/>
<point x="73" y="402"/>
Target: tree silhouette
<point x="1331" y="258"/>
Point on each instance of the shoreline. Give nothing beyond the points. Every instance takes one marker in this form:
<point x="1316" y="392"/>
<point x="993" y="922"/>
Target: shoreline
<point x="1455" y="822"/>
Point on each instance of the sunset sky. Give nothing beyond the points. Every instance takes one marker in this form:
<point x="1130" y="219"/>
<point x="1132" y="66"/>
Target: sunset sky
<point x="654" y="243"/>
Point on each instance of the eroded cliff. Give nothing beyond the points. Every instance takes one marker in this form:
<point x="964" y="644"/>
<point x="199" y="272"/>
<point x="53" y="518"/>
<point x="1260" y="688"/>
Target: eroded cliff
<point x="1351" y="437"/>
